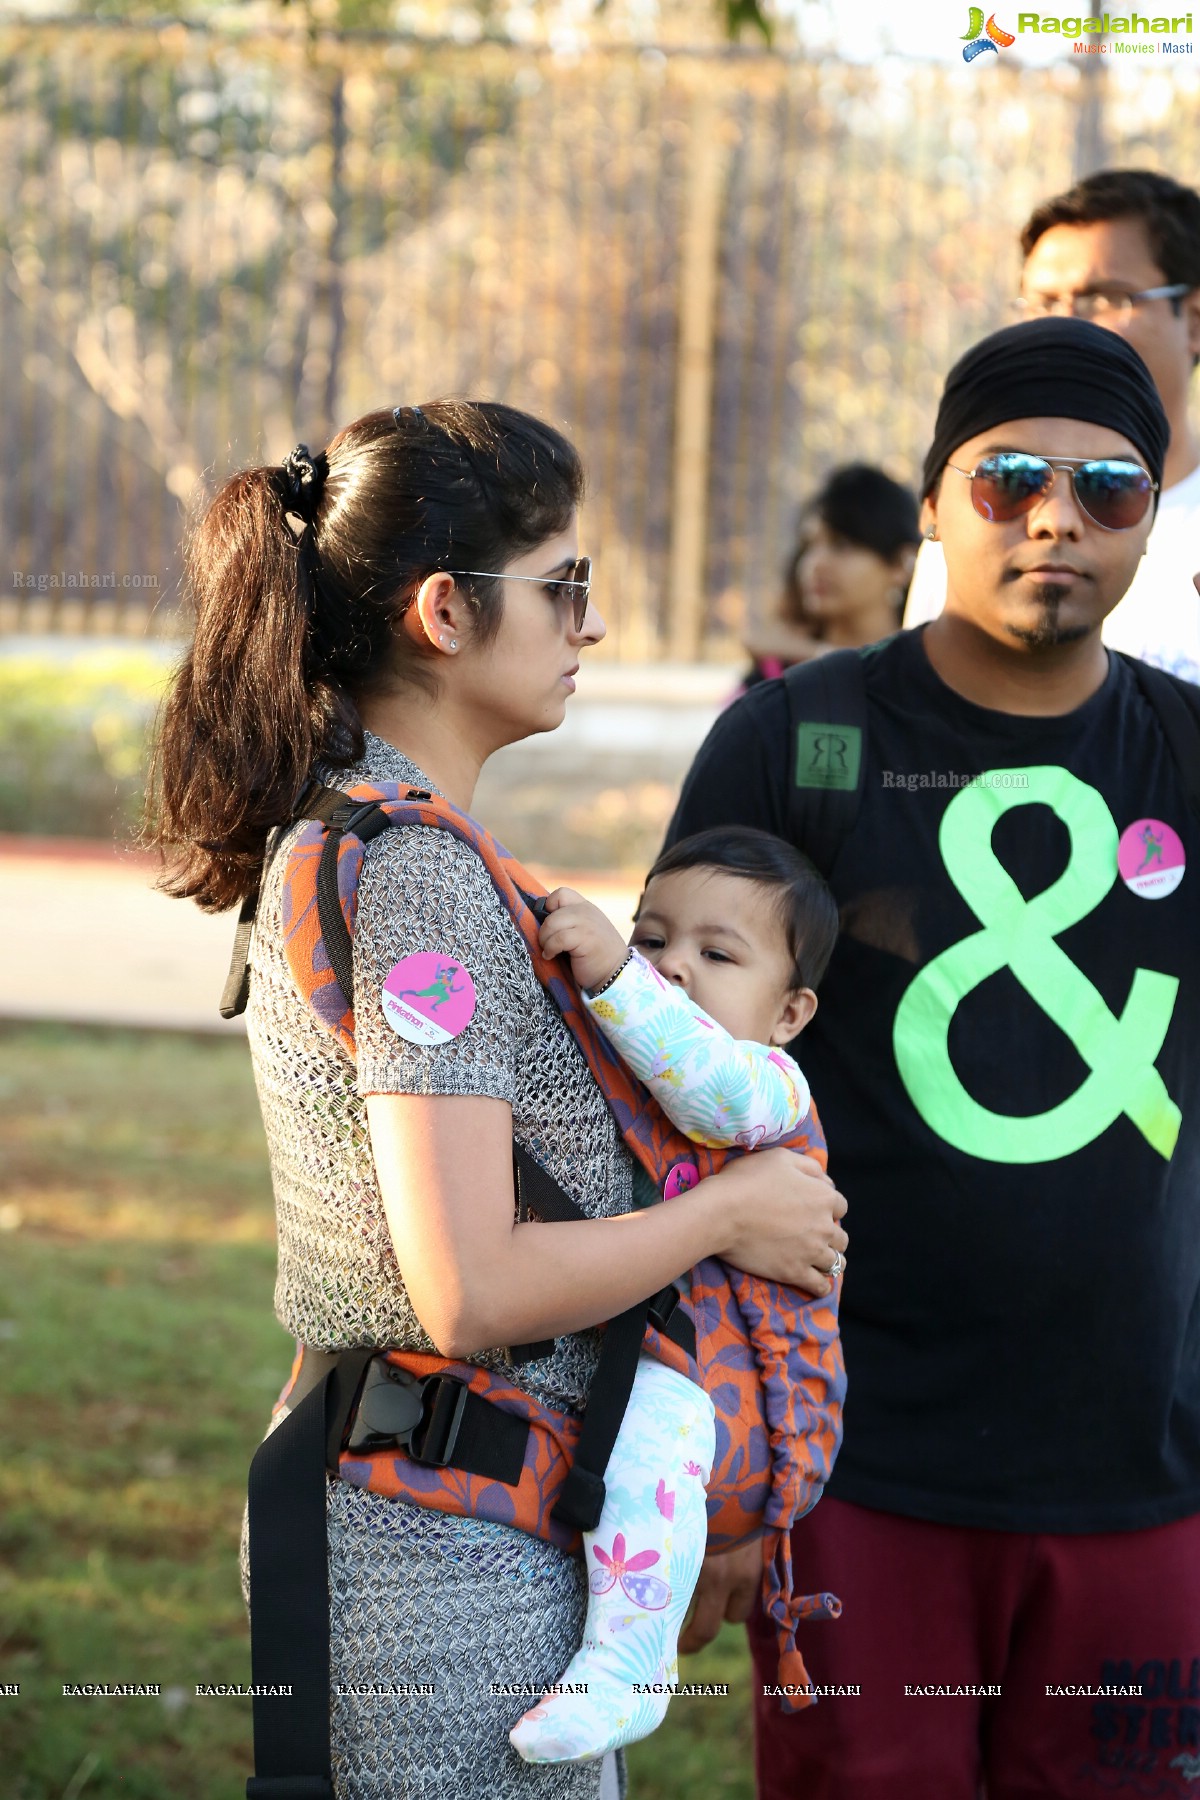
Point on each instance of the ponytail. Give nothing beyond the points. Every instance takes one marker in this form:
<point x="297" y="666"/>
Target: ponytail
<point x="297" y="575"/>
<point x="246" y="718"/>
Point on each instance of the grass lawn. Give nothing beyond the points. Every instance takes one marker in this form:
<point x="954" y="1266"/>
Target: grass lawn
<point x="140" y="1357"/>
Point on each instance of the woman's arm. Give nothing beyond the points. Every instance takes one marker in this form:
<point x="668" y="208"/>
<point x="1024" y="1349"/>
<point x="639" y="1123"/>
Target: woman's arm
<point x="478" y="1279"/>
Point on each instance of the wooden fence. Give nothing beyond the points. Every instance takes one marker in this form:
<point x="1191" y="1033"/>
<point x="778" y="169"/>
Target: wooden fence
<point x="721" y="272"/>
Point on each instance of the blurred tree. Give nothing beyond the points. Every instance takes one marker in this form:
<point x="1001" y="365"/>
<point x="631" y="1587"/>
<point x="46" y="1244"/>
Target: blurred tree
<point x="703" y="19"/>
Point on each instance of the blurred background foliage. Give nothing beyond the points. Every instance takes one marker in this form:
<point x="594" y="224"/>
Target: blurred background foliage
<point x="74" y="740"/>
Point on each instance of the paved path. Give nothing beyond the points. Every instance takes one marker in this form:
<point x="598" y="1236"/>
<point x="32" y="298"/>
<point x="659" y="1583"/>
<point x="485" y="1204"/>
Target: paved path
<point x="88" y="940"/>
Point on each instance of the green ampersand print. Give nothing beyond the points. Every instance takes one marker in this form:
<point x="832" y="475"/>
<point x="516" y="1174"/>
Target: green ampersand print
<point x="1019" y="934"/>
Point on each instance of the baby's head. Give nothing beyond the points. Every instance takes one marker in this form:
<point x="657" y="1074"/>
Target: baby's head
<point x="744" y="924"/>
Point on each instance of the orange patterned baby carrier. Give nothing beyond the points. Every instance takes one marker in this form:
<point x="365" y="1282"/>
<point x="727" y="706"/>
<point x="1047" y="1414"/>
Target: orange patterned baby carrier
<point x="768" y="1357"/>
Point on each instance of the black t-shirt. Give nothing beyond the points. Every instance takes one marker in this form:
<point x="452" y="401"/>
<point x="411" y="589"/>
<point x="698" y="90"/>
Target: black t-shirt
<point x="1007" y="1036"/>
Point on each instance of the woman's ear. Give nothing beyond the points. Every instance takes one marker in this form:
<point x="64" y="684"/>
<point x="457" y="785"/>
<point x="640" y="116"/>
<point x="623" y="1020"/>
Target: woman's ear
<point x="929" y="516"/>
<point x="798" y="1008"/>
<point x="439" y="613"/>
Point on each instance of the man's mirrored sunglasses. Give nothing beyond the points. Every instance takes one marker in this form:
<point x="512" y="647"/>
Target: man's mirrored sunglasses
<point x="1114" y="493"/>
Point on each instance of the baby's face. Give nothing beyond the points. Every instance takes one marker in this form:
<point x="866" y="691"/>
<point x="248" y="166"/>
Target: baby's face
<point x="722" y="940"/>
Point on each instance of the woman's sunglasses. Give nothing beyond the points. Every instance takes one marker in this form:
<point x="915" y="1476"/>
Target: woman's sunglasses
<point x="573" y="587"/>
<point x="1114" y="494"/>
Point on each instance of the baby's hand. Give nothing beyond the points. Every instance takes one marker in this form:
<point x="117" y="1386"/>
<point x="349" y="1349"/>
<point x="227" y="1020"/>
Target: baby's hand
<point x="574" y="927"/>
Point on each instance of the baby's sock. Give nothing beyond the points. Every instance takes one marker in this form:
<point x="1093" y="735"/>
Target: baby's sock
<point x="643" y="1560"/>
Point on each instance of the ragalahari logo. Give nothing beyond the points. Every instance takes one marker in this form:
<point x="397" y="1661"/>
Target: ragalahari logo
<point x="976" y="43"/>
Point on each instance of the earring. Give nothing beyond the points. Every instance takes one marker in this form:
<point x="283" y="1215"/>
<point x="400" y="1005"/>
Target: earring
<point x="931" y="536"/>
<point x="454" y="643"/>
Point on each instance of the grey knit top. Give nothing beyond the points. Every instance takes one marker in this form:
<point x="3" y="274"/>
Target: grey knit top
<point x="339" y="1283"/>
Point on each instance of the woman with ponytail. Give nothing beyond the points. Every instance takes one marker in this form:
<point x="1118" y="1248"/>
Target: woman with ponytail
<point x="393" y="610"/>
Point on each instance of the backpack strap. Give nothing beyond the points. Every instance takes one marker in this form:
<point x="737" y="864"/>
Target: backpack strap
<point x="827" y="739"/>
<point x="1176" y="705"/>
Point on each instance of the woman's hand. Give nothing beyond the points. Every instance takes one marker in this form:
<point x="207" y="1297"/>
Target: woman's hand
<point x="783" y="1212"/>
<point x="729" y="1588"/>
<point x="575" y="928"/>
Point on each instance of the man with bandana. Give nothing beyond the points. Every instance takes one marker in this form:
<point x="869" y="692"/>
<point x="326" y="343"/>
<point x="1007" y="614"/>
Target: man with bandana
<point x="1006" y="1061"/>
<point x="1122" y="248"/>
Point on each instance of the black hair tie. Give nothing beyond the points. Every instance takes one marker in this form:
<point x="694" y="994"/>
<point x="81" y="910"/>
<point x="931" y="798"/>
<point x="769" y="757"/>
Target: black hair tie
<point x="305" y="475"/>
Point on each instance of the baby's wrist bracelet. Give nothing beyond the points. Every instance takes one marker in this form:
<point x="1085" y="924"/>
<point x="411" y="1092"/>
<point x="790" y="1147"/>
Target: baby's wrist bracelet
<point x="594" y="992"/>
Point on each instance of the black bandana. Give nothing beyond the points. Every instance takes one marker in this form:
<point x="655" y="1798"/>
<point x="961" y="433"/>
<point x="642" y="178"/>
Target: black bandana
<point x="1049" y="369"/>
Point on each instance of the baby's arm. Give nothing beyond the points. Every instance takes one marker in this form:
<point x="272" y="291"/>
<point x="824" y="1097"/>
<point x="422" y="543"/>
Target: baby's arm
<point x="716" y="1088"/>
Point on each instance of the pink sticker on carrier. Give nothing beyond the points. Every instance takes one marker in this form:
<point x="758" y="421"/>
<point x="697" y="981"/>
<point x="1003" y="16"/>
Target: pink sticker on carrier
<point x="1150" y="859"/>
<point x="428" y="998"/>
<point x="683" y="1176"/>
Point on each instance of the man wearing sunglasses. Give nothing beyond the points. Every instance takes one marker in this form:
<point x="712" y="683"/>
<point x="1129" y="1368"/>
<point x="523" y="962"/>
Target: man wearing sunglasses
<point x="1122" y="249"/>
<point x="1007" y="1066"/>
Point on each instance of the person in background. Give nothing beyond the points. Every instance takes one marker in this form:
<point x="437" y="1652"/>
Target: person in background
<point x="1122" y="248"/>
<point x="846" y="578"/>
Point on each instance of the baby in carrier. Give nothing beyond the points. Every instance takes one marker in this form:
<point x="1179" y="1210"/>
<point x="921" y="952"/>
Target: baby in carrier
<point x="733" y="932"/>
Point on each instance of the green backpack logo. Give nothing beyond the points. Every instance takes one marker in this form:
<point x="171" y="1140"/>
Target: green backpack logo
<point x="828" y="756"/>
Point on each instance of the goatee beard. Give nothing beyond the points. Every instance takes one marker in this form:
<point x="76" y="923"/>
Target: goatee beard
<point x="1048" y="596"/>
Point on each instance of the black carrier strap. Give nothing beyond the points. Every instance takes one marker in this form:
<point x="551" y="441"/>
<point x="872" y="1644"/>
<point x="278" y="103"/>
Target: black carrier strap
<point x="1176" y="703"/>
<point x="237" y="982"/>
<point x="315" y="802"/>
<point x="289" y="1591"/>
<point x="364" y="820"/>
<point x="827" y="747"/>
<point x="582" y="1499"/>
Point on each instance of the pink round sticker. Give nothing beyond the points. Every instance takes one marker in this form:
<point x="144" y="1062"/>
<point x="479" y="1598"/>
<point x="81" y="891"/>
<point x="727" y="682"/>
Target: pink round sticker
<point x="1150" y="859"/>
<point x="683" y="1176"/>
<point x="428" y="998"/>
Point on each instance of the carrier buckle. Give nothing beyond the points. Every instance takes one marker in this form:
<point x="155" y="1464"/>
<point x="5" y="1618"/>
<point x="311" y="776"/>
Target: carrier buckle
<point x="364" y="819"/>
<point x="663" y="1306"/>
<point x="435" y="1434"/>
<point x="389" y="1408"/>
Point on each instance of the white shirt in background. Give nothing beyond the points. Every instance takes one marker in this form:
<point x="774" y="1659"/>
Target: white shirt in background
<point x="1159" y="617"/>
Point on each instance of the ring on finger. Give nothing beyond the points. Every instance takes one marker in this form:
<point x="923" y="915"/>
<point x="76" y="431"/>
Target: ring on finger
<point x="836" y="1266"/>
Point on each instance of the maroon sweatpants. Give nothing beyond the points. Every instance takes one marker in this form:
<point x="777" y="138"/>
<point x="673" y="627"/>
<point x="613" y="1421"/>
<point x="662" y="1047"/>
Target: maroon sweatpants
<point x="938" y="1606"/>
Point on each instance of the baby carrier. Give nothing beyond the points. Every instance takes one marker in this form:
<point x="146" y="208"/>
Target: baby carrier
<point x="449" y="1435"/>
